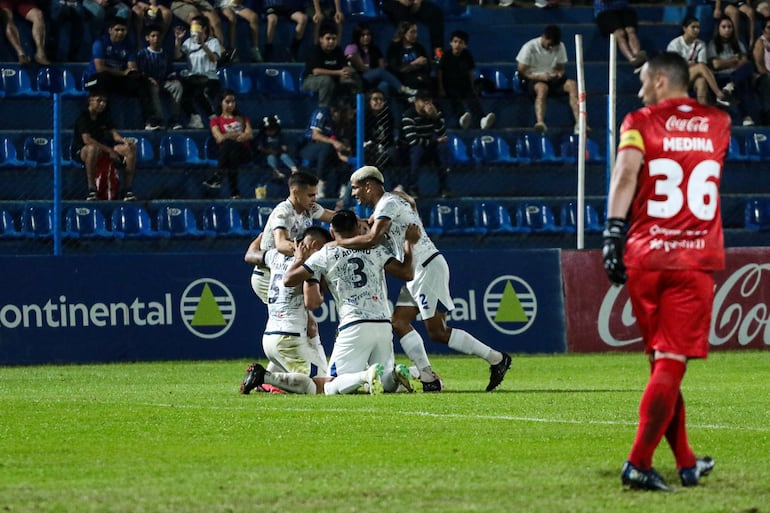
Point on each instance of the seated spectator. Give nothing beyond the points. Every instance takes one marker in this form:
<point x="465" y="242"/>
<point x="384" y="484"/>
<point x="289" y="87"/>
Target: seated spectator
<point x="155" y="64"/>
<point x="28" y="10"/>
<point x="232" y="132"/>
<point x="407" y="58"/>
<point x="379" y="137"/>
<point x="455" y="82"/>
<point x="366" y="58"/>
<point x="70" y="16"/>
<point x="694" y="52"/>
<point x="187" y="10"/>
<point x="423" y="135"/>
<point x="200" y="81"/>
<point x="272" y="144"/>
<point x="761" y="58"/>
<point x="95" y="139"/>
<point x="733" y="9"/>
<point x="617" y="17"/>
<point x="418" y="11"/>
<point x="156" y="13"/>
<point x="295" y="11"/>
<point x="325" y="149"/>
<point x="733" y="70"/>
<point x="326" y="11"/>
<point x="326" y="70"/>
<point x="113" y="69"/>
<point x="231" y="9"/>
<point x="541" y="64"/>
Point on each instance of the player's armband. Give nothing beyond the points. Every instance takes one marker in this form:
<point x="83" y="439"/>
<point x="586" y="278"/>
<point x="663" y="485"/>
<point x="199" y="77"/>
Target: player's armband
<point x="631" y="139"/>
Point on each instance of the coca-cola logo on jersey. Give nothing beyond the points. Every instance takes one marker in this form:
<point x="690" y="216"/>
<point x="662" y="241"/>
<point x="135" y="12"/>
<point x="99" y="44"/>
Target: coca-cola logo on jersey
<point x="693" y="124"/>
<point x="740" y="313"/>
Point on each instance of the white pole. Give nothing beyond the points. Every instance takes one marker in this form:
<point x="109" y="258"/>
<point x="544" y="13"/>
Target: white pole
<point x="581" y="156"/>
<point x="611" y="103"/>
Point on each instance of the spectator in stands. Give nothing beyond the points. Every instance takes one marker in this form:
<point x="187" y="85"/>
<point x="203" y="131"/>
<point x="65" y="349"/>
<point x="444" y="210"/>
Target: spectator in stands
<point x="272" y="144"/>
<point x="73" y="17"/>
<point x="407" y="59"/>
<point x="156" y="13"/>
<point x="95" y="139"/>
<point x="231" y="9"/>
<point x="423" y="135"/>
<point x="28" y="10"/>
<point x="541" y="63"/>
<point x="232" y="132"/>
<point x="379" y="137"/>
<point x="419" y="11"/>
<point x="617" y="17"/>
<point x="733" y="70"/>
<point x="188" y="10"/>
<point x="694" y="52"/>
<point x="295" y="11"/>
<point x="324" y="11"/>
<point x="113" y="69"/>
<point x="761" y="57"/>
<point x="733" y="9"/>
<point x="155" y="64"/>
<point x="325" y="148"/>
<point x="367" y="59"/>
<point x="200" y="81"/>
<point x="455" y="82"/>
<point x="326" y="69"/>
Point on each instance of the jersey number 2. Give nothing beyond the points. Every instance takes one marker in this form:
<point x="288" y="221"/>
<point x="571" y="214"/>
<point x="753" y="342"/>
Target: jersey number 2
<point x="700" y="192"/>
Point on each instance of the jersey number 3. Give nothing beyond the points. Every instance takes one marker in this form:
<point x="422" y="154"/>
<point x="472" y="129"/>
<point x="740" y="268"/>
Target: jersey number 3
<point x="699" y="194"/>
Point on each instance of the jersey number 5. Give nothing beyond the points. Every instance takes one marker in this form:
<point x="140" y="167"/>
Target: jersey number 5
<point x="699" y="194"/>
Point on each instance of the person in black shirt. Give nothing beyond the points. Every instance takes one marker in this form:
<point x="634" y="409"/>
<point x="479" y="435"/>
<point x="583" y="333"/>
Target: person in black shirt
<point x="95" y="138"/>
<point x="326" y="69"/>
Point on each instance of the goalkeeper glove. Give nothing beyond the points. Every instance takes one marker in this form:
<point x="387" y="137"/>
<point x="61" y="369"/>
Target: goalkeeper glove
<point x="612" y="250"/>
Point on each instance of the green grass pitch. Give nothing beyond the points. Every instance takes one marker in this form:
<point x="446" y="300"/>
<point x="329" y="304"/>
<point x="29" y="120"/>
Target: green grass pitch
<point x="177" y="437"/>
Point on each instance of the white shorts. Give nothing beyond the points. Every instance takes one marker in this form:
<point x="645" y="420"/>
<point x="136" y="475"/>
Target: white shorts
<point x="360" y="345"/>
<point x="429" y="290"/>
<point x="295" y="354"/>
<point x="260" y="282"/>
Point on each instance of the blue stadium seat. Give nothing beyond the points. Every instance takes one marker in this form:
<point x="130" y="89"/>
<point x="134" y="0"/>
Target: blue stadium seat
<point x="758" y="146"/>
<point x="361" y="10"/>
<point x="8" y="226"/>
<point x="568" y="218"/>
<point x="569" y="150"/>
<point x="37" y="222"/>
<point x="58" y="80"/>
<point x="452" y="220"/>
<point x="516" y="84"/>
<point x="276" y="82"/>
<point x="499" y="78"/>
<point x="145" y="153"/>
<point x="757" y="215"/>
<point x="460" y="156"/>
<point x="9" y="157"/>
<point x="85" y="222"/>
<point x="491" y="149"/>
<point x="223" y="221"/>
<point x="132" y="222"/>
<point x="536" y="148"/>
<point x="735" y="152"/>
<point x="178" y="222"/>
<point x="454" y="10"/>
<point x="16" y="81"/>
<point x="496" y="219"/>
<point x="237" y="79"/>
<point x="364" y="211"/>
<point x="38" y="151"/>
<point x="211" y="151"/>
<point x="538" y="217"/>
<point x="258" y="215"/>
<point x="180" y="151"/>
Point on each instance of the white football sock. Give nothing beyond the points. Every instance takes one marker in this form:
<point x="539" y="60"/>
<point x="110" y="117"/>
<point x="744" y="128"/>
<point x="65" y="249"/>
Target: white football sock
<point x="463" y="342"/>
<point x="291" y="382"/>
<point x="345" y="384"/>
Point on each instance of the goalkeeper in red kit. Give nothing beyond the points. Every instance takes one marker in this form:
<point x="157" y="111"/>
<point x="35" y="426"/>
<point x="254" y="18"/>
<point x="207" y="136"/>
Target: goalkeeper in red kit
<point x="665" y="189"/>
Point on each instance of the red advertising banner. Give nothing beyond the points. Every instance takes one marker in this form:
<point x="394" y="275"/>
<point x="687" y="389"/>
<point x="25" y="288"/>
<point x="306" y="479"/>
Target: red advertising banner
<point x="599" y="317"/>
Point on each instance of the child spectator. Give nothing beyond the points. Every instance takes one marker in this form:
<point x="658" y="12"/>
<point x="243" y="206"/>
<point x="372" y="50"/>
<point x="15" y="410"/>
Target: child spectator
<point x="455" y="82"/>
<point x="326" y="69"/>
<point x="30" y="12"/>
<point x="230" y="9"/>
<point x="155" y="64"/>
<point x="271" y="143"/>
<point x="295" y="11"/>
<point x="407" y="58"/>
<point x="366" y="58"/>
<point x="323" y="9"/>
<point x="232" y="132"/>
<point x="155" y="13"/>
<point x="189" y="10"/>
<point x="325" y="146"/>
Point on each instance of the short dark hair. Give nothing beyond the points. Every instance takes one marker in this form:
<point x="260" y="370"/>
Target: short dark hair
<point x="673" y="66"/>
<point x="344" y="221"/>
<point x="319" y="233"/>
<point x="460" y="34"/>
<point x="689" y="20"/>
<point x="327" y="28"/>
<point x="423" y="94"/>
<point x="116" y="20"/>
<point x="302" y="178"/>
<point x="553" y="34"/>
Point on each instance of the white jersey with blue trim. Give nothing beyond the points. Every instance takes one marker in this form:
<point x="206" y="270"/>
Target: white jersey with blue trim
<point x="286" y="310"/>
<point x="356" y="278"/>
<point x="401" y="215"/>
<point x="285" y="216"/>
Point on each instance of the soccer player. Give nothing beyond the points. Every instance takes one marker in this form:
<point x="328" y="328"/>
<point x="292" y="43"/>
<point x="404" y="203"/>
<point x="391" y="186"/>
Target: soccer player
<point x="428" y="293"/>
<point x="363" y="349"/>
<point x="666" y="186"/>
<point x="294" y="360"/>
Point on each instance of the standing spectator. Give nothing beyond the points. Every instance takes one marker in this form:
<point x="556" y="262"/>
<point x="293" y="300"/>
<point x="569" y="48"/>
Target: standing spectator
<point x="733" y="70"/>
<point x="188" y="10"/>
<point x="733" y="9"/>
<point x="96" y="142"/>
<point x="295" y="11"/>
<point x="154" y="63"/>
<point x="423" y="134"/>
<point x="72" y="17"/>
<point x="455" y="82"/>
<point x="407" y="58"/>
<point x="380" y="141"/>
<point x="156" y="13"/>
<point x="325" y="147"/>
<point x="366" y="58"/>
<point x="541" y="65"/>
<point x="271" y="143"/>
<point x="231" y="9"/>
<point x="617" y="17"/>
<point x="326" y="70"/>
<point x="673" y="245"/>
<point x="233" y="134"/>
<point x="693" y="50"/>
<point x="200" y="80"/>
<point x="113" y="69"/>
<point x="28" y="10"/>
<point x="323" y="9"/>
<point x="419" y="11"/>
<point x="761" y="58"/>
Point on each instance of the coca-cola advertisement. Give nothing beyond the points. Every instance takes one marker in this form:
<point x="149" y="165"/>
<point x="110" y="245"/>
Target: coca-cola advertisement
<point x="599" y="316"/>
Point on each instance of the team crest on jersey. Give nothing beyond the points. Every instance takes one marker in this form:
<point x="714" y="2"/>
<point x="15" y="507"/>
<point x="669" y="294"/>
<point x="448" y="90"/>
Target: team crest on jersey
<point x="510" y="305"/>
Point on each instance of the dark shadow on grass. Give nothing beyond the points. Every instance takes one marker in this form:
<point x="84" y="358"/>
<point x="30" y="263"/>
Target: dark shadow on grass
<point x="545" y="391"/>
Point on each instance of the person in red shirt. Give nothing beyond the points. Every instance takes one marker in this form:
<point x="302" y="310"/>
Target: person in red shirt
<point x="232" y="132"/>
<point x="666" y="185"/>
